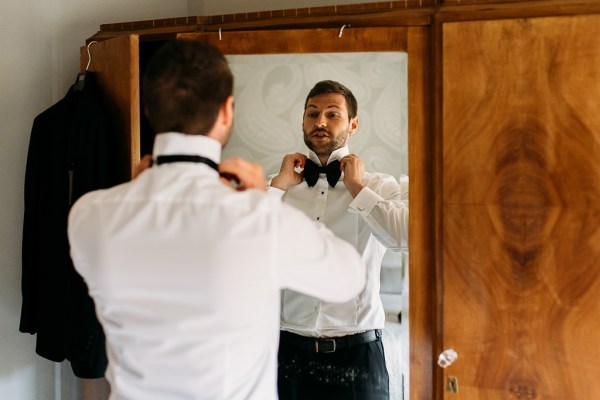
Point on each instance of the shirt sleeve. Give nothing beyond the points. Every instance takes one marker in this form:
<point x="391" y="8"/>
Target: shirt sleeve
<point x="273" y="191"/>
<point x="383" y="204"/>
<point x="315" y="262"/>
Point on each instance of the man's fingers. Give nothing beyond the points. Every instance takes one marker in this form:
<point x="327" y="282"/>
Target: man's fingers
<point x="241" y="174"/>
<point x="145" y="163"/>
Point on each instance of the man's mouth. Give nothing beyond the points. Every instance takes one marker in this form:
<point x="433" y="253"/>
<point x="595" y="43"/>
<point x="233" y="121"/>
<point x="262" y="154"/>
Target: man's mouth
<point x="319" y="134"/>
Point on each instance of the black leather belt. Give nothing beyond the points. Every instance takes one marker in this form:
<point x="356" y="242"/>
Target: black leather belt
<point x="328" y="345"/>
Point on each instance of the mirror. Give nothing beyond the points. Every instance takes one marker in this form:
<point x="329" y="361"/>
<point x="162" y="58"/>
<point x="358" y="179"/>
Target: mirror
<point x="373" y="63"/>
<point x="269" y="93"/>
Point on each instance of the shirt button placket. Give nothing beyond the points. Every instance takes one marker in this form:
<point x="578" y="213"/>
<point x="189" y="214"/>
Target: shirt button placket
<point x="321" y="200"/>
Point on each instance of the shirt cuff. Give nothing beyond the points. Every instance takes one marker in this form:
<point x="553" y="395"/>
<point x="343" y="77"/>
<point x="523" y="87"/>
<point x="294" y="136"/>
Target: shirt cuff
<point x="364" y="202"/>
<point x="276" y="192"/>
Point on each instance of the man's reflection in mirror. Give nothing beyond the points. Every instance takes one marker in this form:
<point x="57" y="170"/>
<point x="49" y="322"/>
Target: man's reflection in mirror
<point x="335" y="351"/>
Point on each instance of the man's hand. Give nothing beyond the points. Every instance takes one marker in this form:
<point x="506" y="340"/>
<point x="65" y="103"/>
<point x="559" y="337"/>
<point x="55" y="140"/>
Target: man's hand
<point x="354" y="170"/>
<point x="145" y="163"/>
<point x="241" y="174"/>
<point x="287" y="175"/>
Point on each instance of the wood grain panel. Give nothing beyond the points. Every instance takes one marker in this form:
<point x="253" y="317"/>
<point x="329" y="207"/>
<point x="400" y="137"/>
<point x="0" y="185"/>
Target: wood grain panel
<point x="305" y="40"/>
<point x="421" y="307"/>
<point x="521" y="206"/>
<point x="116" y="64"/>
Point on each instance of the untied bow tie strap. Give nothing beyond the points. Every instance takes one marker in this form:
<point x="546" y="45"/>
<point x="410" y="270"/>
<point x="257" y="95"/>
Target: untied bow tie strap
<point x="187" y="158"/>
<point x="312" y="171"/>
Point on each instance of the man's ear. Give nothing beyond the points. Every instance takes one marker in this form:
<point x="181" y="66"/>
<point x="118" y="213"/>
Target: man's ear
<point x="353" y="126"/>
<point x="227" y="111"/>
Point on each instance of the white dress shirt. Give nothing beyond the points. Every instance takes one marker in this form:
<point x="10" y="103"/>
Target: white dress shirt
<point x="376" y="219"/>
<point x="186" y="276"/>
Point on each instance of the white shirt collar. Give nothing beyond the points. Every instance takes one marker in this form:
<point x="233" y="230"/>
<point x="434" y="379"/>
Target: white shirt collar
<point x="335" y="155"/>
<point x="170" y="143"/>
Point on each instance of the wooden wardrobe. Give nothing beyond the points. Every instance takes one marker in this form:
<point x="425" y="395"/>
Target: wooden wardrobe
<point x="504" y="161"/>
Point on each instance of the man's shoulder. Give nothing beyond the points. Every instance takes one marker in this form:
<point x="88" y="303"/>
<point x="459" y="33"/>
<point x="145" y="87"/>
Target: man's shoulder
<point x="380" y="177"/>
<point x="99" y="196"/>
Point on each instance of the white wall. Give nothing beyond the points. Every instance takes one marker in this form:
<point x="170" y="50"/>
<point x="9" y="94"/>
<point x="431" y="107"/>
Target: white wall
<point x="40" y="41"/>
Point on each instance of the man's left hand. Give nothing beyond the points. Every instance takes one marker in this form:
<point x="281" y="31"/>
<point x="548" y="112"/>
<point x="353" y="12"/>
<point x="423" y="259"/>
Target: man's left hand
<point x="354" y="170"/>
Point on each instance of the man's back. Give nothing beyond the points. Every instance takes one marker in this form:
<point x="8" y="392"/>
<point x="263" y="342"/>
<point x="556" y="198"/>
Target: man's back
<point x="186" y="275"/>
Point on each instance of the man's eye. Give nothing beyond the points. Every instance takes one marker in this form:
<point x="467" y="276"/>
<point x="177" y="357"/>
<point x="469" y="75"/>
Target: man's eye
<point x="333" y="115"/>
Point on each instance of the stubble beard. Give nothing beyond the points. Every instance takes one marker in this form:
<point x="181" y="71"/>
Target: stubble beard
<point x="325" y="149"/>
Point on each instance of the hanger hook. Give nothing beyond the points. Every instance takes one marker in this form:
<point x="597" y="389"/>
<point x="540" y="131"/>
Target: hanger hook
<point x="342" y="29"/>
<point x="89" y="54"/>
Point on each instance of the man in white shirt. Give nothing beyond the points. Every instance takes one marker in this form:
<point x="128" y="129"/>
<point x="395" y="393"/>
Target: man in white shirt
<point x="334" y="351"/>
<point x="186" y="269"/>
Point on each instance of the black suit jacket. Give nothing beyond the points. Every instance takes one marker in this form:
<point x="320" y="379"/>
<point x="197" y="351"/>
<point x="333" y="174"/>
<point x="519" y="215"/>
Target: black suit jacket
<point x="70" y="153"/>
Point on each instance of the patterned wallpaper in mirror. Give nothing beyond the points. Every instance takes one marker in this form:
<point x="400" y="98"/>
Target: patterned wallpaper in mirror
<point x="269" y="97"/>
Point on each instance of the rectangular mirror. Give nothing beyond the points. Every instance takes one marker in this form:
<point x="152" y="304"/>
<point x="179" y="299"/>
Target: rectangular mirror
<point x="275" y="70"/>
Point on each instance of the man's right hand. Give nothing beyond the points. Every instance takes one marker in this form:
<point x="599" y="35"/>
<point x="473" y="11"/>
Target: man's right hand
<point x="287" y="174"/>
<point x="241" y="174"/>
<point x="145" y="163"/>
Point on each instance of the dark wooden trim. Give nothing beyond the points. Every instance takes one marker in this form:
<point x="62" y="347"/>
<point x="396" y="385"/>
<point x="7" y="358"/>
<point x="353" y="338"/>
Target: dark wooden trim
<point x="305" y="40"/>
<point x="514" y="9"/>
<point x="381" y="14"/>
<point x="422" y="308"/>
<point x="270" y="15"/>
<point x="166" y="28"/>
<point x="437" y="214"/>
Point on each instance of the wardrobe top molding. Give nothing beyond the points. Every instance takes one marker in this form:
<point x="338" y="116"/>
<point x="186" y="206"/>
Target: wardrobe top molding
<point x="391" y="13"/>
<point x="402" y="13"/>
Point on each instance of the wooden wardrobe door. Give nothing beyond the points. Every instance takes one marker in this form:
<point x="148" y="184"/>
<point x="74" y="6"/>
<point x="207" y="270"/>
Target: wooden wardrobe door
<point x="521" y="207"/>
<point x="116" y="64"/>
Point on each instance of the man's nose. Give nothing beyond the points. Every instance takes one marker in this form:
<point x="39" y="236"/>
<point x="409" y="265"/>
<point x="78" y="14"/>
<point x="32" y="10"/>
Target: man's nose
<point x="321" y="122"/>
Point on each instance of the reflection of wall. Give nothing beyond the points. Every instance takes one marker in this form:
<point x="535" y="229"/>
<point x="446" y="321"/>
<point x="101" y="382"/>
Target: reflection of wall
<point x="270" y="91"/>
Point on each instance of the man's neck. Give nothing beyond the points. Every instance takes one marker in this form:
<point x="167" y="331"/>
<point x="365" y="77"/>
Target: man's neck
<point x="324" y="159"/>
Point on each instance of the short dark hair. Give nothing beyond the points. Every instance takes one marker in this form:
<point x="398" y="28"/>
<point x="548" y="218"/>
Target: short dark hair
<point x="184" y="85"/>
<point x="326" y="87"/>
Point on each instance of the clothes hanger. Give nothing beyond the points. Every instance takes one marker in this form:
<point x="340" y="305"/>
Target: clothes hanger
<point x="80" y="81"/>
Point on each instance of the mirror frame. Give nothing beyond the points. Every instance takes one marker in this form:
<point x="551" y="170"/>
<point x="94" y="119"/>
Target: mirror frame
<point x="414" y="41"/>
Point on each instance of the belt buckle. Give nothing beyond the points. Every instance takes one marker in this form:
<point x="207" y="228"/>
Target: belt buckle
<point x="324" y="340"/>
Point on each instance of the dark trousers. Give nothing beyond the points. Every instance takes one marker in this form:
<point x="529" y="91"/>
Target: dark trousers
<point x="354" y="373"/>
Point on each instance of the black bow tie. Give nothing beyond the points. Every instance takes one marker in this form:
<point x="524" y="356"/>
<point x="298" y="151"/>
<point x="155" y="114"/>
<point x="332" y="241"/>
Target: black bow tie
<point x="312" y="171"/>
<point x="187" y="158"/>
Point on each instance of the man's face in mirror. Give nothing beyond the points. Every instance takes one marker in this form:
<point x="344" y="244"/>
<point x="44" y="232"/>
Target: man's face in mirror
<point x="326" y="125"/>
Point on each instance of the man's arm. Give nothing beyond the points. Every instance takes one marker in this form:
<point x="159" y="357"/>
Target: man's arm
<point x="313" y="261"/>
<point x="380" y="200"/>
